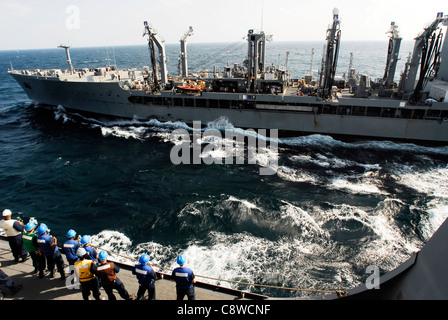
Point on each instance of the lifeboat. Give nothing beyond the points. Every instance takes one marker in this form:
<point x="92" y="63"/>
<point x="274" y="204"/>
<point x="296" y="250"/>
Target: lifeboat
<point x="191" y="87"/>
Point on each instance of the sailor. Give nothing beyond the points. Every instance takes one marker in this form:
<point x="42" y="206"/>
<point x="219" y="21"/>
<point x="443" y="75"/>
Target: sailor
<point x="30" y="243"/>
<point x="107" y="274"/>
<point x="184" y="278"/>
<point x="70" y="246"/>
<point x="13" y="230"/>
<point x="85" y="243"/>
<point x="48" y="247"/>
<point x="6" y="281"/>
<point x="89" y="282"/>
<point x="146" y="278"/>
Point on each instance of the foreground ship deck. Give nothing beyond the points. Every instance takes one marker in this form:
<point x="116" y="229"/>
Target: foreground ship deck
<point x="34" y="288"/>
<point x="422" y="276"/>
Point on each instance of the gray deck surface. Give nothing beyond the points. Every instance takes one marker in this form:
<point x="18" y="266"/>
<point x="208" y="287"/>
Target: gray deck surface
<point x="47" y="288"/>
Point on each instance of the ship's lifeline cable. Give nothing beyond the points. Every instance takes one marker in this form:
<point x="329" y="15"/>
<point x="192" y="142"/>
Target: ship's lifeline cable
<point x="339" y="293"/>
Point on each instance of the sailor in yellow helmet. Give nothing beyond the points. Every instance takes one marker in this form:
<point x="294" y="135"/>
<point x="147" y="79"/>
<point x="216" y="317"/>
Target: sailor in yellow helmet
<point x="84" y="269"/>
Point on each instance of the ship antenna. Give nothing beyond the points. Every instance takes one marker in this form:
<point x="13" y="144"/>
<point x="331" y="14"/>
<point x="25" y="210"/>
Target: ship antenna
<point x="69" y="60"/>
<point x="262" y="12"/>
<point x="311" y="63"/>
<point x="115" y="60"/>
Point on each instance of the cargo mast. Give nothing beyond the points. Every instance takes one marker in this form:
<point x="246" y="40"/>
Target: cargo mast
<point x="153" y="38"/>
<point x="392" y="55"/>
<point x="183" y="64"/>
<point x="426" y="53"/>
<point x="329" y="62"/>
<point x="256" y="57"/>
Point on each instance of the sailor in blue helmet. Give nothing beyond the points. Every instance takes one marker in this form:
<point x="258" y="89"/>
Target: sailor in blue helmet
<point x="184" y="278"/>
<point x="107" y="271"/>
<point x="85" y="243"/>
<point x="70" y="246"/>
<point x="48" y="247"/>
<point x="146" y="278"/>
<point x="30" y="242"/>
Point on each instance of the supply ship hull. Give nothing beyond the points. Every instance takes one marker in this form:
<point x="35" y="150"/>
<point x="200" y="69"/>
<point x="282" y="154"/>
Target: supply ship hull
<point x="349" y="116"/>
<point x="257" y="97"/>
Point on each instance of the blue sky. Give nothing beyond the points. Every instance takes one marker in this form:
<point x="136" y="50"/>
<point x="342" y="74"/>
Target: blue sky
<point x="31" y="24"/>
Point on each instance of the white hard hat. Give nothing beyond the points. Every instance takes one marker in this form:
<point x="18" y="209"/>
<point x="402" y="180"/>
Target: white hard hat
<point x="6" y="212"/>
<point x="81" y="252"/>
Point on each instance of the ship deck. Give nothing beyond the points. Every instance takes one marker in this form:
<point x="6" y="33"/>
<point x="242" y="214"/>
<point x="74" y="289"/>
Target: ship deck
<point x="34" y="288"/>
<point x="87" y="75"/>
<point x="288" y="100"/>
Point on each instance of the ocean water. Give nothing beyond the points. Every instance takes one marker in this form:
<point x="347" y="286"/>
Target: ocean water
<point x="332" y="209"/>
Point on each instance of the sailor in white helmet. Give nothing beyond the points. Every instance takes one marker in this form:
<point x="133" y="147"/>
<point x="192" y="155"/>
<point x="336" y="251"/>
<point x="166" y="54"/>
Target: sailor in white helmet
<point x="13" y="230"/>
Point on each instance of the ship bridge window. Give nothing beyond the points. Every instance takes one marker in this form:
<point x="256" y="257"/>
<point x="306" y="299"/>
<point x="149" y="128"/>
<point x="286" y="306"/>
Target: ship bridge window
<point x="189" y="102"/>
<point x="178" y="102"/>
<point x="146" y="100"/>
<point x="224" y="104"/>
<point x="249" y="104"/>
<point x="201" y="103"/>
<point x="405" y="113"/>
<point x="329" y="109"/>
<point x="167" y="101"/>
<point x="373" y="111"/>
<point x="135" y="99"/>
<point x="433" y="114"/>
<point x="344" y="111"/>
<point x="158" y="101"/>
<point x="418" y="114"/>
<point x="236" y="104"/>
<point x="358" y="111"/>
<point x="213" y="103"/>
<point x="389" y="112"/>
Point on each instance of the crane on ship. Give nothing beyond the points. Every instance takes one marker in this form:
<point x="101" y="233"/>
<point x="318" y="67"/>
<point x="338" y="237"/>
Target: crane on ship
<point x="256" y="57"/>
<point x="183" y="64"/>
<point x="155" y="40"/>
<point x="329" y="61"/>
<point x="426" y="55"/>
<point x="392" y="55"/>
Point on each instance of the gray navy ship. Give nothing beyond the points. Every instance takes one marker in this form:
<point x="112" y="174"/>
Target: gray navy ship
<point x="259" y="97"/>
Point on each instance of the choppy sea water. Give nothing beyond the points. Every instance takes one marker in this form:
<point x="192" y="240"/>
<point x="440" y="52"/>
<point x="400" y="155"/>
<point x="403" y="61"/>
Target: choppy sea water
<point x="331" y="209"/>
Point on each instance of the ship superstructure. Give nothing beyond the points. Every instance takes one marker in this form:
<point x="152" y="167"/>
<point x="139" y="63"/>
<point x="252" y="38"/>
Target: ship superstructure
<point x="256" y="96"/>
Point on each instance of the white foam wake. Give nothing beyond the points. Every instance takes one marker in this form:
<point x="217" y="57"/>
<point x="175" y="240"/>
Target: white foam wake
<point x="314" y="257"/>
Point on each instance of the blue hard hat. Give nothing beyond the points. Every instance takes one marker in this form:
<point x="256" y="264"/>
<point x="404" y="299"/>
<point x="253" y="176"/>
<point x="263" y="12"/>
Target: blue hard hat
<point x="71" y="233"/>
<point x="144" y="259"/>
<point x="103" y="255"/>
<point x="30" y="226"/>
<point x="181" y="260"/>
<point x="42" y="229"/>
<point x="85" y="239"/>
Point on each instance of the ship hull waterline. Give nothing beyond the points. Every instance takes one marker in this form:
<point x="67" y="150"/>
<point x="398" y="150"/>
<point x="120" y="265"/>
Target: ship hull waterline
<point x="110" y="99"/>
